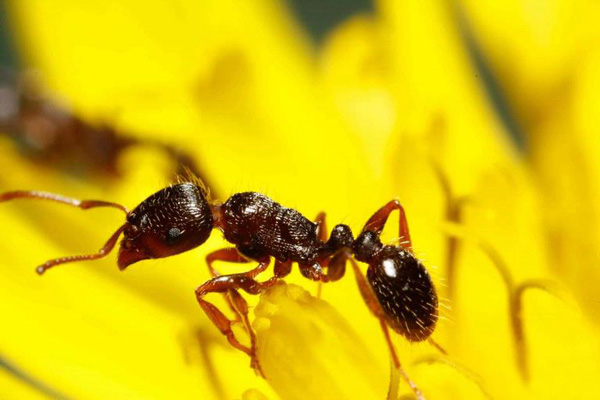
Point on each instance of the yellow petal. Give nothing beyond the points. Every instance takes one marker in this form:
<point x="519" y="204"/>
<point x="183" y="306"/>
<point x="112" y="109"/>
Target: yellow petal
<point x="307" y="350"/>
<point x="533" y="47"/>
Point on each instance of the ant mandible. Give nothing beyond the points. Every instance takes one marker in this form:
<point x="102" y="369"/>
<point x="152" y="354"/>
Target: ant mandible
<point x="397" y="288"/>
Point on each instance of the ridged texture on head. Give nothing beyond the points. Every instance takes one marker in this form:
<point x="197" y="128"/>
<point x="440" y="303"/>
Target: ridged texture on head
<point x="171" y="221"/>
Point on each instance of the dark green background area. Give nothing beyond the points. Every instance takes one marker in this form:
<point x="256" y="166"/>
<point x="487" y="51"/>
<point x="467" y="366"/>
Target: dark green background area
<point x="320" y="16"/>
<point x="8" y="54"/>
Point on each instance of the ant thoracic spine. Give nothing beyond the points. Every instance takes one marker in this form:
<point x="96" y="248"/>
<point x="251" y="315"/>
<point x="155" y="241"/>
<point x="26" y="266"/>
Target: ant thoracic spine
<point x="397" y="288"/>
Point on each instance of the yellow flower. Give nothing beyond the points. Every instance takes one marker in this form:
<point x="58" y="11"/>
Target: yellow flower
<point x="391" y="107"/>
<point x="545" y="57"/>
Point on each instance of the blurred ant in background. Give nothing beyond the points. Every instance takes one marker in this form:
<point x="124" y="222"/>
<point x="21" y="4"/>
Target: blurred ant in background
<point x="53" y="135"/>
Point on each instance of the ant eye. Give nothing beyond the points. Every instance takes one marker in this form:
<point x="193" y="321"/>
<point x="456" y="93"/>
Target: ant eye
<point x="173" y="234"/>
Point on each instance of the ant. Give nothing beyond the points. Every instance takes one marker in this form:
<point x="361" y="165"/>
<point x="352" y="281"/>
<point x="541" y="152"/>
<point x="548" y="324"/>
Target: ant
<point x="55" y="135"/>
<point x="397" y="289"/>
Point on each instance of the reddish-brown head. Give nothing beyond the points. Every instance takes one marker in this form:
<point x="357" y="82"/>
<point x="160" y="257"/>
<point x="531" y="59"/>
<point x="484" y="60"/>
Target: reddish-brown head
<point x="171" y="221"/>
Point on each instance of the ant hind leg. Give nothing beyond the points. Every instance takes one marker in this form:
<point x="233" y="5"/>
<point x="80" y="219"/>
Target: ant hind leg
<point x="379" y="219"/>
<point x="373" y="304"/>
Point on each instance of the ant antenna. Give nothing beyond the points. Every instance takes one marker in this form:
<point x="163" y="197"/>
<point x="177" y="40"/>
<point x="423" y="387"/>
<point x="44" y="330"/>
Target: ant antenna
<point x="110" y="244"/>
<point x="84" y="205"/>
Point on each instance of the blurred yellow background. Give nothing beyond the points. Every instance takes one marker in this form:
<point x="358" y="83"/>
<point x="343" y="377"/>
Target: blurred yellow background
<point x="481" y="117"/>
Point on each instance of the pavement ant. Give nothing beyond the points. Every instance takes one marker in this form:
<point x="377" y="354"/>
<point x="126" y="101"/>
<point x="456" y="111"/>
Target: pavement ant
<point x="397" y="288"/>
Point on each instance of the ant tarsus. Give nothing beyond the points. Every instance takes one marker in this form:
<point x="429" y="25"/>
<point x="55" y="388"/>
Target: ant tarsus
<point x="397" y="288"/>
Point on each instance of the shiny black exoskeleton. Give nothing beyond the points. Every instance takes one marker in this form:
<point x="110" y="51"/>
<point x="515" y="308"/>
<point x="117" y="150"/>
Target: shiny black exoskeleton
<point x="179" y="218"/>
<point x="397" y="288"/>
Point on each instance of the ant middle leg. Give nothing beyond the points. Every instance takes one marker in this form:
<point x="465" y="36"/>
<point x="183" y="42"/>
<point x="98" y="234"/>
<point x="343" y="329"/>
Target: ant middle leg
<point x="322" y="226"/>
<point x="373" y="304"/>
<point x="230" y="254"/>
<point x="379" y="219"/>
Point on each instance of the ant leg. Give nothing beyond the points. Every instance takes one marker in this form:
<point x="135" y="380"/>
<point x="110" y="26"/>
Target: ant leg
<point x="369" y="297"/>
<point x="337" y="266"/>
<point x="110" y="244"/>
<point x="373" y="304"/>
<point x="322" y="235"/>
<point x="221" y="322"/>
<point x="322" y="227"/>
<point x="315" y="271"/>
<point x="241" y="306"/>
<point x="281" y="269"/>
<point x="231" y="283"/>
<point x="231" y="255"/>
<point x="388" y="339"/>
<point x="83" y="204"/>
<point x="378" y="220"/>
<point x="437" y="346"/>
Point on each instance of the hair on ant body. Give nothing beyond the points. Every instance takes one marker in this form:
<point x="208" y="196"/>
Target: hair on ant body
<point x="397" y="288"/>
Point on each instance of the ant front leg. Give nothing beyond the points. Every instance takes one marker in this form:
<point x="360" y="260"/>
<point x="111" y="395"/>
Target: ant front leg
<point x="378" y="220"/>
<point x="373" y="304"/>
<point x="231" y="255"/>
<point x="231" y="284"/>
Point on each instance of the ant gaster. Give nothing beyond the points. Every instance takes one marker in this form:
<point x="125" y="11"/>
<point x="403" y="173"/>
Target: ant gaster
<point x="397" y="289"/>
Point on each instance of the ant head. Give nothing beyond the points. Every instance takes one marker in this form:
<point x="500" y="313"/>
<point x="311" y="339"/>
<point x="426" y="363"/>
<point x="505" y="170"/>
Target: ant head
<point x="171" y="221"/>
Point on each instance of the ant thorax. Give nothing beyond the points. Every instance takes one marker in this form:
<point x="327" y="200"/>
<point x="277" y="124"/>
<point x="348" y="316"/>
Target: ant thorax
<point x="397" y="289"/>
<point x="260" y="227"/>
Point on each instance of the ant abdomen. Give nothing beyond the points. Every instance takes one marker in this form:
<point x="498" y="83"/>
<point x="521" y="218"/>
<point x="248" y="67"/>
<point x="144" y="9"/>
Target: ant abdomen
<point x="405" y="292"/>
